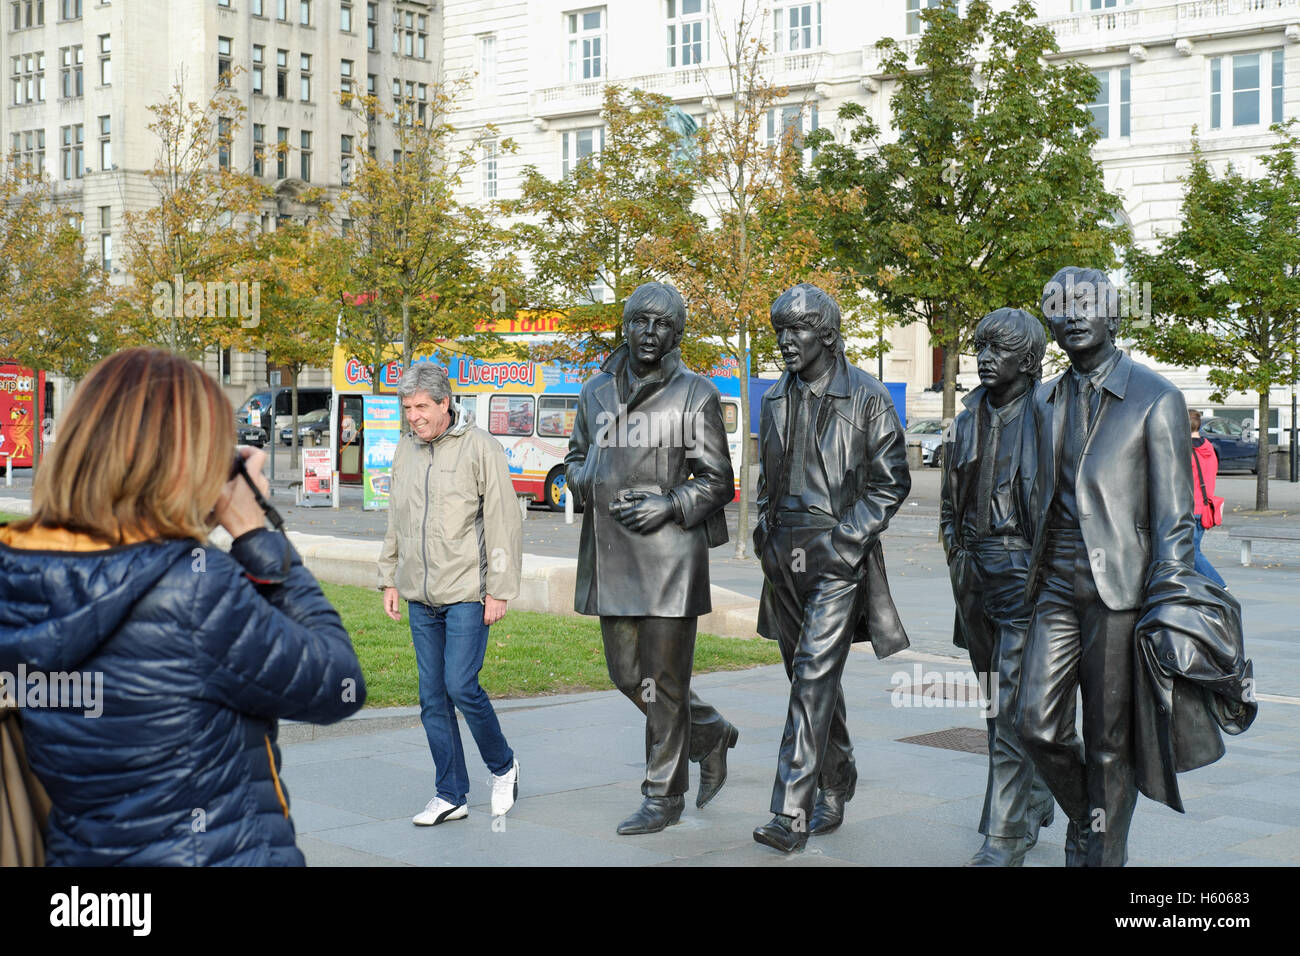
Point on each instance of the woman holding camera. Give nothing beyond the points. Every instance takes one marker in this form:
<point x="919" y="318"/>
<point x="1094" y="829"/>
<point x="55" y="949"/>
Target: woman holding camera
<point x="190" y="653"/>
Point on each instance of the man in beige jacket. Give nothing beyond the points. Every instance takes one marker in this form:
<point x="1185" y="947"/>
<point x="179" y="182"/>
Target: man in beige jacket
<point x="453" y="551"/>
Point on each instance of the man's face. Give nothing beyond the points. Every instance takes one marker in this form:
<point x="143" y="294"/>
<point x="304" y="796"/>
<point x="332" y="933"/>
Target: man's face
<point x="428" y="419"/>
<point x="1081" y="325"/>
<point x="998" y="365"/>
<point x="801" y="345"/>
<point x="649" y="338"/>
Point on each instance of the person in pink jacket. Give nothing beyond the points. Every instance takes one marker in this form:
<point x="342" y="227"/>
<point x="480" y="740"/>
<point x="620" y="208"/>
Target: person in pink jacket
<point x="1208" y="509"/>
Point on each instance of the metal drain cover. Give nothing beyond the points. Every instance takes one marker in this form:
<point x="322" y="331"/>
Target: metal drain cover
<point x="966" y="739"/>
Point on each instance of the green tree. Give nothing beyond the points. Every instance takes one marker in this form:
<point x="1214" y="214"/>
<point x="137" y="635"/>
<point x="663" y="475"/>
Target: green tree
<point x="60" y="314"/>
<point x="300" y="271"/>
<point x="425" y="265"/>
<point x="1226" y="284"/>
<point x="989" y="187"/>
<point x="743" y="245"/>
<point x="593" y="229"/>
<point x="184" y="251"/>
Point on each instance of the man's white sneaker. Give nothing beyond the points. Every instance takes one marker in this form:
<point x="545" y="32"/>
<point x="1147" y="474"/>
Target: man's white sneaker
<point x="505" y="790"/>
<point x="439" y="811"/>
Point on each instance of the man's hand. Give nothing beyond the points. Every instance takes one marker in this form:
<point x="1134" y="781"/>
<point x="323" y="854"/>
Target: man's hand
<point x="493" y="610"/>
<point x="392" y="605"/>
<point x="642" y="511"/>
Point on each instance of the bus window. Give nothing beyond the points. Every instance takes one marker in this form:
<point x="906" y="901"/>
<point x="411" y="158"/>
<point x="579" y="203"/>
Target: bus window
<point x="731" y="416"/>
<point x="555" y="416"/>
<point x="510" y="415"/>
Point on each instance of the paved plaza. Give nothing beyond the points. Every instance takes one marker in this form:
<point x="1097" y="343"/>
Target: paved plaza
<point x="354" y="786"/>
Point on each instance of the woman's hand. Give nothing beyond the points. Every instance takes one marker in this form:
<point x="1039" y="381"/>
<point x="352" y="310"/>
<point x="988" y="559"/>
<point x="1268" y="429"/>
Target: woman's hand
<point x="237" y="510"/>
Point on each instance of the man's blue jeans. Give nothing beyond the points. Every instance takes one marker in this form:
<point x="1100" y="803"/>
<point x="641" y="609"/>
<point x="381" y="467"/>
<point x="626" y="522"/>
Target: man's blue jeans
<point x="450" y="641"/>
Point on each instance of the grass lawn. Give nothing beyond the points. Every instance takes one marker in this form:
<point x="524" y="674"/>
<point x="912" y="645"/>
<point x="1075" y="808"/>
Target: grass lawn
<point x="6" y="517"/>
<point x="528" y="653"/>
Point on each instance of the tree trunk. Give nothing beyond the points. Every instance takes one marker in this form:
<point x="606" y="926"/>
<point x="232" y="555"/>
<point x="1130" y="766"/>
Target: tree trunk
<point x="1262" y="456"/>
<point x="293" y="426"/>
<point x="951" y="362"/>
<point x="742" y="516"/>
<point x="406" y="335"/>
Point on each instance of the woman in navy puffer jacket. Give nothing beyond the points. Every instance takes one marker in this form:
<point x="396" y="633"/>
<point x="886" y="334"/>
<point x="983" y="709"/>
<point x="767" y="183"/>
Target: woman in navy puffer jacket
<point x="199" y="651"/>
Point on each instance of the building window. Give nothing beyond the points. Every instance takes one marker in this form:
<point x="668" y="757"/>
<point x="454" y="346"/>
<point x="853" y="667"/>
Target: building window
<point x="106" y="238"/>
<point x="372" y="26"/>
<point x="914" y="8"/>
<point x="345" y="159"/>
<point x="304" y="76"/>
<point x="345" y="17"/>
<point x="105" y="60"/>
<point x="488" y="170"/>
<point x="688" y="32"/>
<point x="259" y="67"/>
<point x="223" y="141"/>
<point x="70" y="10"/>
<point x="1110" y="110"/>
<point x="345" y="81"/>
<point x="797" y="26"/>
<point x="281" y="74"/>
<point x="28" y="13"/>
<point x="28" y="78"/>
<point x="259" y="8"/>
<point x="304" y="12"/>
<point x="410" y="33"/>
<point x="281" y="152"/>
<point x="223" y="3"/>
<point x="223" y="61"/>
<point x="1246" y="89"/>
<point x="372" y="87"/>
<point x="411" y="107"/>
<point x="259" y="149"/>
<point x="577" y="144"/>
<point x="71" y="59"/>
<point x="794" y="123"/>
<point x="105" y="142"/>
<point x="29" y="150"/>
<point x="586" y="36"/>
<point x="282" y="10"/>
<point x="487" y="63"/>
<point x="304" y="157"/>
<point x="73" y="152"/>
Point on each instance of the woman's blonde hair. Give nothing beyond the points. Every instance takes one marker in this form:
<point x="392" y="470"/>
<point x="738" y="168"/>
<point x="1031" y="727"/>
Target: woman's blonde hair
<point x="144" y="451"/>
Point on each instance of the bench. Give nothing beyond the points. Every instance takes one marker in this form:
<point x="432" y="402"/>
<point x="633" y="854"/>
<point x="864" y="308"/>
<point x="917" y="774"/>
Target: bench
<point x="1261" y="532"/>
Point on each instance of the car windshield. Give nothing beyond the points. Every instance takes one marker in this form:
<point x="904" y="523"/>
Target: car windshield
<point x="317" y="416"/>
<point x="1223" y="426"/>
<point x="925" y="427"/>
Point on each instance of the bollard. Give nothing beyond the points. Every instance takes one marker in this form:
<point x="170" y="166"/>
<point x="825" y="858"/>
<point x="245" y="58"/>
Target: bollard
<point x="568" y="506"/>
<point x="334" y="490"/>
<point x="9" y="471"/>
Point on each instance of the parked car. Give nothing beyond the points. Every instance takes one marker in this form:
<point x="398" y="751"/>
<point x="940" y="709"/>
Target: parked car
<point x="249" y="435"/>
<point x="313" y="429"/>
<point x="930" y="432"/>
<point x="1237" y="451"/>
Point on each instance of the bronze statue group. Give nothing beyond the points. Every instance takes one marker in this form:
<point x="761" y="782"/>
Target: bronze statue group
<point x="1066" y="513"/>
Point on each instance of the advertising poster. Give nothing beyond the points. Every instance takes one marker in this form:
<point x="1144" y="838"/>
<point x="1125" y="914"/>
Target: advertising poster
<point x="17" y="414"/>
<point x="316" y="475"/>
<point x="382" y="427"/>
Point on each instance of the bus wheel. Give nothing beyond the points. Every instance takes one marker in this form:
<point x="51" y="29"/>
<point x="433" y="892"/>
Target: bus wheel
<point x="554" y="489"/>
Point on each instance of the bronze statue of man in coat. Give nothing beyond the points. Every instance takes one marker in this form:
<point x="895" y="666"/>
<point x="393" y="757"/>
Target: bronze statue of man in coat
<point x="648" y="457"/>
<point x="832" y="472"/>
<point x="989" y="463"/>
